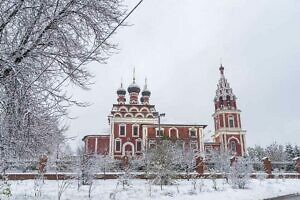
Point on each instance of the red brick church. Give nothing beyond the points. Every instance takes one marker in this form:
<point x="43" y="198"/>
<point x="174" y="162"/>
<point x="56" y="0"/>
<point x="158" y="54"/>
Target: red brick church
<point x="135" y="125"/>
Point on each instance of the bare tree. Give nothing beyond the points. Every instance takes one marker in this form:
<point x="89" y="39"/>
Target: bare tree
<point x="42" y="42"/>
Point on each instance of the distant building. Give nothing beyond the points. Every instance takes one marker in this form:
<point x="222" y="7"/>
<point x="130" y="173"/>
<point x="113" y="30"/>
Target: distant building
<point x="135" y="125"/>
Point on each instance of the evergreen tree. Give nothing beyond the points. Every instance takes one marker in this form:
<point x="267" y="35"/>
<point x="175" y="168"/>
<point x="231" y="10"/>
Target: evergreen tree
<point x="297" y="151"/>
<point x="289" y="156"/>
<point x="289" y="152"/>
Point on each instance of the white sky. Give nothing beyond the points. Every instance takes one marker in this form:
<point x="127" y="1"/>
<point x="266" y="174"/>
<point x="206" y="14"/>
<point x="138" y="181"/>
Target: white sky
<point x="177" y="45"/>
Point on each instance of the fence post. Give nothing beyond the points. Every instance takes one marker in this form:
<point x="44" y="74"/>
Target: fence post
<point x="199" y="165"/>
<point x="42" y="163"/>
<point x="297" y="165"/>
<point x="267" y="165"/>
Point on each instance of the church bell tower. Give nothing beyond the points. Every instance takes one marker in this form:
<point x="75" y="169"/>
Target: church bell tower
<point x="227" y="119"/>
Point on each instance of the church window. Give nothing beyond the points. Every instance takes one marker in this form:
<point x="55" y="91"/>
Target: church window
<point x="135" y="130"/>
<point x="193" y="132"/>
<point x="161" y="132"/>
<point x="118" y="145"/>
<point x="122" y="130"/>
<point x="231" y="122"/>
<point x="232" y="145"/>
<point x="138" y="146"/>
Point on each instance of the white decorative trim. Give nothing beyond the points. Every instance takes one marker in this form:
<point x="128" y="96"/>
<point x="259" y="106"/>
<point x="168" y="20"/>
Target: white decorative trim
<point x="122" y="125"/>
<point x="145" y="137"/>
<point x="173" y="128"/>
<point x="138" y="130"/>
<point x="118" y="115"/>
<point x="128" y="115"/>
<point x="150" y="115"/>
<point x="234" y="138"/>
<point x="112" y="135"/>
<point x="133" y="109"/>
<point x="137" y="120"/>
<point x="124" y="145"/>
<point x="144" y="109"/>
<point x="139" y="115"/>
<point x="96" y="145"/>
<point x="123" y="107"/>
<point x="201" y="140"/>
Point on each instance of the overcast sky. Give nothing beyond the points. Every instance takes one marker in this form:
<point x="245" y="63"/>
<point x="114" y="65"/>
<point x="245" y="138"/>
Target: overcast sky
<point x="177" y="45"/>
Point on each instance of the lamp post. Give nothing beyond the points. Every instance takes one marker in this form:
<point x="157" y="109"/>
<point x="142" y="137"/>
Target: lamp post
<point x="159" y="115"/>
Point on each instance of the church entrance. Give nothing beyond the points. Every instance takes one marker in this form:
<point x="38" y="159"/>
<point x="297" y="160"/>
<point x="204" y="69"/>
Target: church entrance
<point x="128" y="149"/>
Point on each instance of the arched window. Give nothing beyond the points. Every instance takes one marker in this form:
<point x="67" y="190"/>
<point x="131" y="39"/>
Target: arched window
<point x="221" y="102"/>
<point x="231" y="121"/>
<point x="139" y="115"/>
<point x="122" y="130"/>
<point x="133" y="109"/>
<point x="150" y="116"/>
<point x="128" y="115"/>
<point x="117" y="145"/>
<point x="193" y="132"/>
<point x="232" y="145"/>
<point x="144" y="109"/>
<point x="117" y="115"/>
<point x="228" y="100"/>
<point x="135" y="130"/>
<point x="138" y="145"/>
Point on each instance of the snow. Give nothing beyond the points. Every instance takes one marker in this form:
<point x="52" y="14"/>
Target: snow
<point x="140" y="189"/>
<point x="297" y="158"/>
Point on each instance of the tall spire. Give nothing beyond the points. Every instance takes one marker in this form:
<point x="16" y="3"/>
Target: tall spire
<point x="145" y="94"/>
<point x="133" y="75"/>
<point x="133" y="90"/>
<point x="221" y="68"/>
<point x="224" y="94"/>
<point x="145" y="87"/>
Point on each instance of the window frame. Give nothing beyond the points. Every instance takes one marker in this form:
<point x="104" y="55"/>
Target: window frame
<point x="190" y="131"/>
<point x="122" y="125"/>
<point x="235" y="145"/>
<point x="162" y="132"/>
<point x="120" y="141"/>
<point x="136" y="146"/>
<point x="138" y="130"/>
<point x="231" y="119"/>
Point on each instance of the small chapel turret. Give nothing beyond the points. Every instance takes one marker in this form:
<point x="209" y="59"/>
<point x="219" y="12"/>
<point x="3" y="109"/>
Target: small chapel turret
<point x="145" y="94"/>
<point x="227" y="119"/>
<point x="133" y="90"/>
<point x="121" y="92"/>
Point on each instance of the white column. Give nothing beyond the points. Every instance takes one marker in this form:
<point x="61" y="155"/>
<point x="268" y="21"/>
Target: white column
<point x="96" y="145"/>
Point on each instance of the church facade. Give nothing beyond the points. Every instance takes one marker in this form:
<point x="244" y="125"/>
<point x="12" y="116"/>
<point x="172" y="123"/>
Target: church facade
<point x="135" y="125"/>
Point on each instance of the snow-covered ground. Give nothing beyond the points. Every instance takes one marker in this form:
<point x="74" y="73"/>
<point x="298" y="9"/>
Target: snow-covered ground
<point x="140" y="190"/>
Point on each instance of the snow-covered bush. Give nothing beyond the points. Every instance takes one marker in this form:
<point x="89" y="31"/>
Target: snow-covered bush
<point x="164" y="161"/>
<point x="240" y="171"/>
<point x="221" y="161"/>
